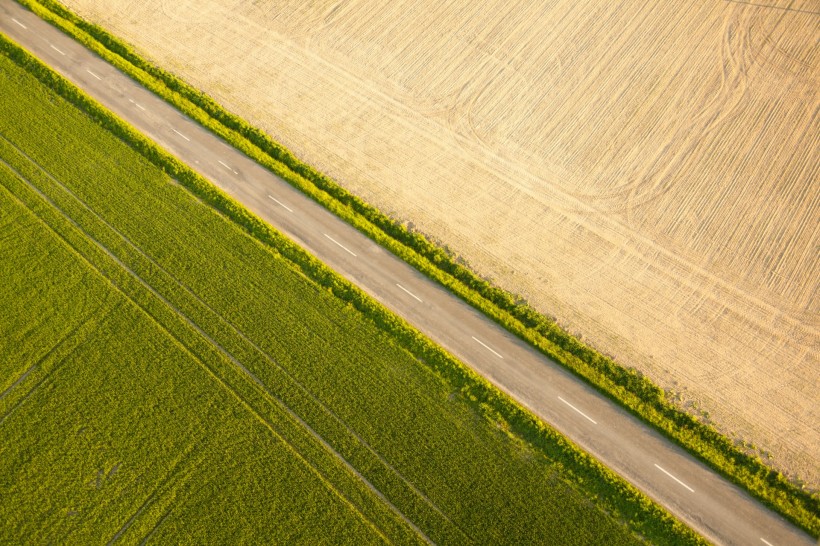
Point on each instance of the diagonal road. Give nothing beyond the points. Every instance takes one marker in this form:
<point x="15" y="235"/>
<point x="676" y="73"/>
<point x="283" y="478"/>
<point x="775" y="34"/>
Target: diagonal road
<point x="714" y="507"/>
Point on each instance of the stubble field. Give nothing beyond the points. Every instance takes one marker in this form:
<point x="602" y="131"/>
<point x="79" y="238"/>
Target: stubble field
<point x="644" y="172"/>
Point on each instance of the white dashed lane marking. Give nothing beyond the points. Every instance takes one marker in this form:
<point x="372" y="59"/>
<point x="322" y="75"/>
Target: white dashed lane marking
<point x="180" y="134"/>
<point x="132" y="101"/>
<point x="674" y="478"/>
<point x="340" y="244"/>
<point x="487" y="347"/>
<point x="406" y="290"/>
<point x="281" y="204"/>
<point x="579" y="411"/>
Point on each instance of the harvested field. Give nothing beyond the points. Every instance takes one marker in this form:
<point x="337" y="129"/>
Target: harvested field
<point x="645" y="172"/>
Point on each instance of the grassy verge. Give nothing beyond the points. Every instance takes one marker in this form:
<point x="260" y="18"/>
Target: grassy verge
<point x="627" y="387"/>
<point x="352" y="395"/>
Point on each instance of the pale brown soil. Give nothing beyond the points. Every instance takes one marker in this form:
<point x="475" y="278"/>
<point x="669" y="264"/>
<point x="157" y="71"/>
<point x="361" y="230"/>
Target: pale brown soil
<point x="646" y="172"/>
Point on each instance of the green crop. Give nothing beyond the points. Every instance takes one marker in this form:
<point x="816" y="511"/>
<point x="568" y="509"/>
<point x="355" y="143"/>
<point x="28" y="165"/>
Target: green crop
<point x="173" y="368"/>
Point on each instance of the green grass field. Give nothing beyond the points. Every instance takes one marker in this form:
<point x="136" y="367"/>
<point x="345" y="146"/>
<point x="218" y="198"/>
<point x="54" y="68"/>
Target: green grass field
<point x="164" y="375"/>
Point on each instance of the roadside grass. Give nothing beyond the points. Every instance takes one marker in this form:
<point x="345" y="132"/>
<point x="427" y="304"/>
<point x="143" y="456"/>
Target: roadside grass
<point x="627" y="387"/>
<point x="200" y="377"/>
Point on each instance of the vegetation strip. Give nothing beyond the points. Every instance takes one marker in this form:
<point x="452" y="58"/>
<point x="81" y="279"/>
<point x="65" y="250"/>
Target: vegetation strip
<point x="630" y="389"/>
<point x="129" y="228"/>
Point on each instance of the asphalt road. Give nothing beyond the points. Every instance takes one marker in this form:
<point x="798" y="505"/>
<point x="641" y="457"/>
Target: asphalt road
<point x="717" y="509"/>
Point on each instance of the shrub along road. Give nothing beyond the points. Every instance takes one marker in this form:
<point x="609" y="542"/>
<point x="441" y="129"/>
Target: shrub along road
<point x="711" y="505"/>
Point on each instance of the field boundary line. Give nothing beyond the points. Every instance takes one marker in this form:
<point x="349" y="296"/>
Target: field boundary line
<point x="769" y="6"/>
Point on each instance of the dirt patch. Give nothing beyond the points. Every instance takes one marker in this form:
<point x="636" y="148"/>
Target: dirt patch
<point x="645" y="172"/>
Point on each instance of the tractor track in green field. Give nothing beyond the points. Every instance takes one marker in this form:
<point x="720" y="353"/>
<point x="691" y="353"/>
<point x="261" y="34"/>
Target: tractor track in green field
<point x="227" y="323"/>
<point x="225" y="352"/>
<point x="255" y="380"/>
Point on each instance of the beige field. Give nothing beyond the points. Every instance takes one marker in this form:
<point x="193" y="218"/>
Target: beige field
<point x="646" y="172"/>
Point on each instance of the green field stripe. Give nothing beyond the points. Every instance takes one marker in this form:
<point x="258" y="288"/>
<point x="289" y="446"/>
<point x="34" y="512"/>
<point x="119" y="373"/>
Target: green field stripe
<point x="21" y="387"/>
<point x="43" y="235"/>
<point x="341" y="437"/>
<point x="277" y="424"/>
<point x="266" y="420"/>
